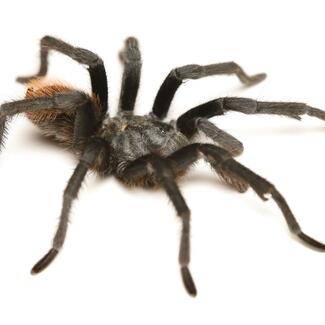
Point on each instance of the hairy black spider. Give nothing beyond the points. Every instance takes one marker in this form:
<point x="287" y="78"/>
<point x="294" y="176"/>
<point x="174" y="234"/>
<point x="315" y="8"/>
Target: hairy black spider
<point x="144" y="150"/>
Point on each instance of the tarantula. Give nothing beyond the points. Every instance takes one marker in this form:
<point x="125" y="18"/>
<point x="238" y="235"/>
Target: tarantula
<point x="144" y="150"/>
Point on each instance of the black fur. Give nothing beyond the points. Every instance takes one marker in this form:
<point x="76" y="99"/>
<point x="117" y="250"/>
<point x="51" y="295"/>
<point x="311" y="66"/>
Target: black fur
<point x="70" y="193"/>
<point x="175" y="78"/>
<point x="131" y="58"/>
<point x="187" y="122"/>
<point x="165" y="95"/>
<point x="143" y="150"/>
<point x="95" y="65"/>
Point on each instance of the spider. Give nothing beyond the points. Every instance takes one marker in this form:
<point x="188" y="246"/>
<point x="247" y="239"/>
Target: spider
<point x="144" y="150"/>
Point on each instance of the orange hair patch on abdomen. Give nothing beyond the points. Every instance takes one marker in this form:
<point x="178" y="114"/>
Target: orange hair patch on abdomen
<point x="40" y="88"/>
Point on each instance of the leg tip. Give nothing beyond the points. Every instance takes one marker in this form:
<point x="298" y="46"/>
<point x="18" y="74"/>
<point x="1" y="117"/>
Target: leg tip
<point x="188" y="281"/>
<point x="131" y="51"/>
<point x="44" y="261"/>
<point x="257" y="78"/>
<point x="311" y="242"/>
<point x="22" y="80"/>
<point x="25" y="80"/>
<point x="131" y="42"/>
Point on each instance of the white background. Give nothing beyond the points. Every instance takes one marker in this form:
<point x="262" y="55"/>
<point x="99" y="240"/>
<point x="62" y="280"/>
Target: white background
<point x="119" y="264"/>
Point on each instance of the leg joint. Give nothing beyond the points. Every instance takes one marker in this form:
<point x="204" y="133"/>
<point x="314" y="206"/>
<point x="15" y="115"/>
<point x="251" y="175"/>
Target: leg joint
<point x="242" y="105"/>
<point x="191" y="71"/>
<point x="214" y="153"/>
<point x="81" y="55"/>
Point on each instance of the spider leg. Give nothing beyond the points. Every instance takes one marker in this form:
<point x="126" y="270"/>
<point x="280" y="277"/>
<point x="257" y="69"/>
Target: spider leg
<point x="3" y="130"/>
<point x="195" y="119"/>
<point x="186" y="123"/>
<point x="70" y="194"/>
<point x="65" y="102"/>
<point x="165" y="177"/>
<point x="288" y="109"/>
<point x="131" y="58"/>
<point x="93" y="61"/>
<point x="220" y="137"/>
<point x="175" y="78"/>
<point x="220" y="159"/>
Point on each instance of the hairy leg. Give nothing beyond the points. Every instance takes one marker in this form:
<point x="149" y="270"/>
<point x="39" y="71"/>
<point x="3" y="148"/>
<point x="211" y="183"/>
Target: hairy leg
<point x="65" y="102"/>
<point x="236" y="173"/>
<point x="195" y="119"/>
<point x="3" y="130"/>
<point x="165" y="177"/>
<point x="86" y="161"/>
<point x="95" y="65"/>
<point x="288" y="109"/>
<point x="176" y="77"/>
<point x="219" y="136"/>
<point x="131" y="58"/>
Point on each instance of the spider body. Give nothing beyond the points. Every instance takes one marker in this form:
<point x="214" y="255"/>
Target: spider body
<point x="132" y="137"/>
<point x="145" y="150"/>
<point x="55" y="124"/>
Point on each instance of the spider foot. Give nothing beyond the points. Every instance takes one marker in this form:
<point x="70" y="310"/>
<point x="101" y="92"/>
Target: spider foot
<point x="25" y="80"/>
<point x="253" y="80"/>
<point x="131" y="51"/>
<point x="291" y="221"/>
<point x="311" y="242"/>
<point x="188" y="281"/>
<point x="44" y="261"/>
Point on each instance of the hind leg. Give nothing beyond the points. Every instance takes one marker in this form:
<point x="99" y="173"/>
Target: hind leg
<point x="95" y="65"/>
<point x="68" y="102"/>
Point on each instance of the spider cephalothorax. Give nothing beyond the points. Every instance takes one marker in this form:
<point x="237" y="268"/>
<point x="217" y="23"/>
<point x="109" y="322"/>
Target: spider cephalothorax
<point x="144" y="150"/>
<point x="132" y="137"/>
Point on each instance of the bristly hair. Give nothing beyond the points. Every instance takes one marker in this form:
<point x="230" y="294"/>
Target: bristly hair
<point x="145" y="150"/>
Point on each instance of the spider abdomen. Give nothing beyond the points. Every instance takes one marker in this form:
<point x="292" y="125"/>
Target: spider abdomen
<point x="38" y="88"/>
<point x="53" y="122"/>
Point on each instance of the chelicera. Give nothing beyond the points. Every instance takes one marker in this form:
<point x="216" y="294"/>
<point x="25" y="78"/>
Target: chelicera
<point x="144" y="150"/>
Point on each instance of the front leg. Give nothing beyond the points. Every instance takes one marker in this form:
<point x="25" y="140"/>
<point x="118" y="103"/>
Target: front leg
<point x="86" y="161"/>
<point x="176" y="77"/>
<point x="157" y="167"/>
<point x="195" y="119"/>
<point x="289" y="109"/>
<point x="131" y="59"/>
<point x="186" y="122"/>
